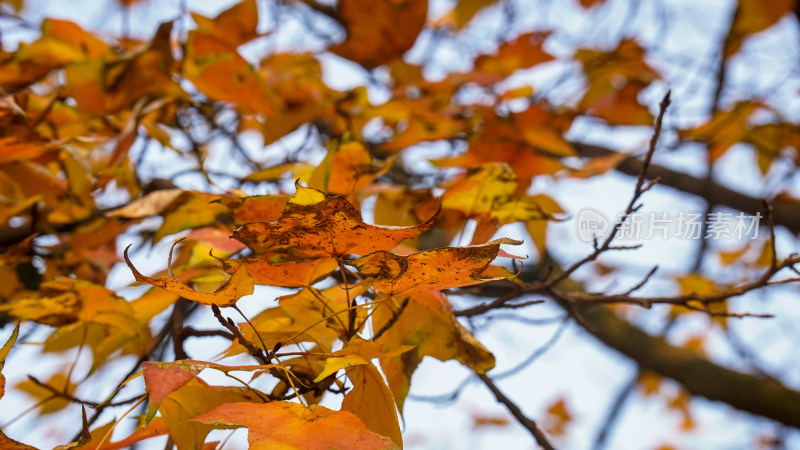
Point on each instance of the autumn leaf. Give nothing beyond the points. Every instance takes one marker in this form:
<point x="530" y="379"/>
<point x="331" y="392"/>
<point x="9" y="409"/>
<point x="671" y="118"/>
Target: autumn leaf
<point x="372" y="401"/>
<point x="347" y="168"/>
<point x="373" y="37"/>
<point x="524" y="52"/>
<point x="194" y="398"/>
<point x="163" y="378"/>
<point x="464" y="11"/>
<point x="221" y="73"/>
<point x="47" y="401"/>
<point x="285" y="274"/>
<point x="4" y="351"/>
<point x="723" y="129"/>
<point x="149" y="205"/>
<point x="315" y="225"/>
<point x="291" y="425"/>
<point x="590" y="3"/>
<point x="615" y="79"/>
<point x="443" y="268"/>
<point x="426" y="322"/>
<point x="239" y="285"/>
<point x="558" y="417"/>
<point x="750" y="17"/>
<point x="234" y="26"/>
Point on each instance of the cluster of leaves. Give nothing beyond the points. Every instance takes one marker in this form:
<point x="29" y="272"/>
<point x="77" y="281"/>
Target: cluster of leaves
<point x="76" y="108"/>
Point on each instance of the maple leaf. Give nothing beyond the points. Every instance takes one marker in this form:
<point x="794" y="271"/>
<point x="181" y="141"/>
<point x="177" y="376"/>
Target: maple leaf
<point x="293" y="425"/>
<point x="429" y="270"/>
<point x="316" y="225"/>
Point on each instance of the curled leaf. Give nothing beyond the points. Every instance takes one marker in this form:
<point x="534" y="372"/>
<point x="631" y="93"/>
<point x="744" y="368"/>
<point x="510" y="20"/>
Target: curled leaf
<point x="239" y="285"/>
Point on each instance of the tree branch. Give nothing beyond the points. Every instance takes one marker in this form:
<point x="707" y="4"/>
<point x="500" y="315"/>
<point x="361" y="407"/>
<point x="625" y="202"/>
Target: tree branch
<point x="785" y="212"/>
<point x="765" y="397"/>
<point x="529" y="424"/>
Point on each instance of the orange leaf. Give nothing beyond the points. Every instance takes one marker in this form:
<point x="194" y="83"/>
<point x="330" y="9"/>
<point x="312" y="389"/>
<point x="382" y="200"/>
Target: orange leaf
<point x="427" y="323"/>
<point x="315" y="225"/>
<point x="234" y="26"/>
<point x="238" y="286"/>
<point x="443" y="268"/>
<point x="291" y="425"/>
<point x="372" y="401"/>
<point x="373" y="37"/>
<point x="163" y="378"/>
<point x="557" y="419"/>
<point x="752" y="16"/>
<point x="522" y="53"/>
<point x="289" y="274"/>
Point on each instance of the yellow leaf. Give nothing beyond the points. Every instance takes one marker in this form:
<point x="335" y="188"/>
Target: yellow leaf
<point x="427" y="322"/>
<point x="372" y="401"/>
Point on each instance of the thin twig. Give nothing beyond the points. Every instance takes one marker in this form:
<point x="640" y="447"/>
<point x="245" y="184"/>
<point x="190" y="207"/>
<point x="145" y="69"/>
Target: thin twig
<point x="515" y="411"/>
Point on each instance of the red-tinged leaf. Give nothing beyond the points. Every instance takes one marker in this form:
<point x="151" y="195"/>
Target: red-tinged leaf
<point x="218" y="240"/>
<point x="544" y="127"/>
<point x="373" y="37"/>
<point x="527" y="162"/>
<point x="372" y="401"/>
<point x="163" y="378"/>
<point x="443" y="268"/>
<point x="239" y="285"/>
<point x="291" y="425"/>
<point x="618" y="106"/>
<point x="315" y="225"/>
